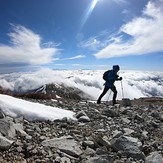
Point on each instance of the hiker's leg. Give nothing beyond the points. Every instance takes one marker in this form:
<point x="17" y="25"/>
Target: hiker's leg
<point x="114" y="94"/>
<point x="102" y="94"/>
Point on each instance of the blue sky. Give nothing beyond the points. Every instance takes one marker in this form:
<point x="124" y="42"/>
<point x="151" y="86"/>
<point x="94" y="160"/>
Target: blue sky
<point x="81" y="34"/>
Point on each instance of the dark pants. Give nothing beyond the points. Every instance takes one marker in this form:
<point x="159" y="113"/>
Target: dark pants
<point x="104" y="92"/>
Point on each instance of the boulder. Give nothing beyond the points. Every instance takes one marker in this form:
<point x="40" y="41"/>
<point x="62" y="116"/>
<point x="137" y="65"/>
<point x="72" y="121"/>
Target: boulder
<point x="128" y="147"/>
<point x="7" y="129"/>
<point x="5" y="143"/>
<point x="66" y="144"/>
<point x="154" y="157"/>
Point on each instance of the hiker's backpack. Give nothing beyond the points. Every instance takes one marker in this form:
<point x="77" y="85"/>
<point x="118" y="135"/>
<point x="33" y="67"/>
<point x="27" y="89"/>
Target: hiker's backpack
<point x="105" y="75"/>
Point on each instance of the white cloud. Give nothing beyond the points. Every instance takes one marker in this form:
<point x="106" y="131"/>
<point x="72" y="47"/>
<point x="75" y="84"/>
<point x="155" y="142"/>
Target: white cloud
<point x="136" y="84"/>
<point x="77" y="57"/>
<point x="74" y="57"/>
<point x="92" y="43"/>
<point x="59" y="64"/>
<point x="121" y="1"/>
<point x="26" y="48"/>
<point x="145" y="32"/>
<point x="96" y="42"/>
<point x="76" y="65"/>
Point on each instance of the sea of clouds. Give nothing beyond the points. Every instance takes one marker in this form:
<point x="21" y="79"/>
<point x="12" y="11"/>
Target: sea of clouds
<point x="135" y="84"/>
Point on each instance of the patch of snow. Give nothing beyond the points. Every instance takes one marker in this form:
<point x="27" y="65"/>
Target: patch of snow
<point x="58" y="96"/>
<point x="42" y="89"/>
<point x="15" y="107"/>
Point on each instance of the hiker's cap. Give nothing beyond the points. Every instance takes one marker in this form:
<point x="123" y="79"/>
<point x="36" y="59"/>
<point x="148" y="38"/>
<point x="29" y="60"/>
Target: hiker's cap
<point x="116" y="67"/>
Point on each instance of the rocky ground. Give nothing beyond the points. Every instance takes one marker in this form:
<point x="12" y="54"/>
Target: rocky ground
<point x="101" y="134"/>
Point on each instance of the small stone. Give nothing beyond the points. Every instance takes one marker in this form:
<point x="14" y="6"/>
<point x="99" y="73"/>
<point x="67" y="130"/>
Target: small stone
<point x="128" y="131"/>
<point x="88" y="143"/>
<point x="89" y="151"/>
<point x="65" y="160"/>
<point x="126" y="120"/>
<point x="1" y="115"/>
<point x="84" y="119"/>
<point x="19" y="149"/>
<point x="117" y="134"/>
<point x="80" y="114"/>
<point x="28" y="137"/>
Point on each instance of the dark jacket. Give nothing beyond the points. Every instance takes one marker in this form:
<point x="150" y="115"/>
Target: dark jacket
<point x="112" y="77"/>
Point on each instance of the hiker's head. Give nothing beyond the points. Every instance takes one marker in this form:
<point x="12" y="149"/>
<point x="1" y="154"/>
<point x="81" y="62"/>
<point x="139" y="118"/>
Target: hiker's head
<point x="116" y="68"/>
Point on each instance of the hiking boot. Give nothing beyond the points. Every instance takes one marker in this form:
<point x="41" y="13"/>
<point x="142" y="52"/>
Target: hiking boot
<point x="114" y="103"/>
<point x="98" y="102"/>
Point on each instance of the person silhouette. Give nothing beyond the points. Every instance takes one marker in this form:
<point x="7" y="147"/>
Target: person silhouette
<point x="111" y="77"/>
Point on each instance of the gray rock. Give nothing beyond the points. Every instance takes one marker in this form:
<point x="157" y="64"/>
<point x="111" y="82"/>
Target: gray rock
<point x="101" y="159"/>
<point x="123" y="110"/>
<point x="126" y="120"/>
<point x="19" y="120"/>
<point x="80" y="114"/>
<point x="102" y="140"/>
<point x="117" y="134"/>
<point x="128" y="131"/>
<point x="19" y="129"/>
<point x="145" y="134"/>
<point x="7" y="129"/>
<point x="128" y="147"/>
<point x="101" y="151"/>
<point x="5" y="143"/>
<point x="154" y="157"/>
<point x="57" y="159"/>
<point x="110" y="113"/>
<point x="1" y="115"/>
<point x="89" y="152"/>
<point x="154" y="124"/>
<point x="101" y="130"/>
<point x="19" y="149"/>
<point x="126" y="102"/>
<point x="139" y="118"/>
<point x="161" y="117"/>
<point x="155" y="114"/>
<point x="65" y="160"/>
<point x="30" y="131"/>
<point x="84" y="119"/>
<point x="65" y="144"/>
<point x="88" y="143"/>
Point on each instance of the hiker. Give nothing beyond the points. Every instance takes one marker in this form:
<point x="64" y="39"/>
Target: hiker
<point x="110" y="77"/>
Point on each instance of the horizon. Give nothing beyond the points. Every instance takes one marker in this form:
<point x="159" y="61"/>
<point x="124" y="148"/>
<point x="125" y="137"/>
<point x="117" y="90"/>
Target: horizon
<point x="22" y="70"/>
<point x="78" y="35"/>
<point x="10" y="70"/>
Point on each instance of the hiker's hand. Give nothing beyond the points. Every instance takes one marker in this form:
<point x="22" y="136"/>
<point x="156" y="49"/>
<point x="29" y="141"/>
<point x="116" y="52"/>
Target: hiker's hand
<point x="120" y="78"/>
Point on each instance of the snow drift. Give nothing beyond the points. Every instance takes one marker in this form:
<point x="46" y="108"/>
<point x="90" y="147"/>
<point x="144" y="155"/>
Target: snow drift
<point x="31" y="111"/>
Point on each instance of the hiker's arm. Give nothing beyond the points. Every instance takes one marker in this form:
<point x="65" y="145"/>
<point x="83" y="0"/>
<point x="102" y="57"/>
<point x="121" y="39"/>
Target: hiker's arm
<point x="118" y="78"/>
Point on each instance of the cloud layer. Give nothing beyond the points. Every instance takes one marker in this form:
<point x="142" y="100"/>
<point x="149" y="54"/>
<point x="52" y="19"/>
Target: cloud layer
<point x="142" y="35"/>
<point x="26" y="48"/>
<point x="135" y="84"/>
